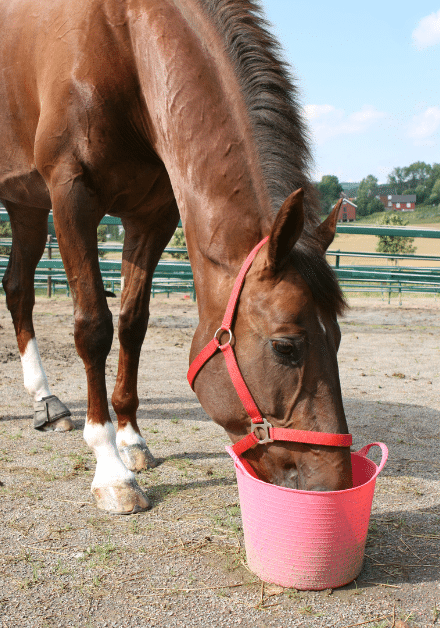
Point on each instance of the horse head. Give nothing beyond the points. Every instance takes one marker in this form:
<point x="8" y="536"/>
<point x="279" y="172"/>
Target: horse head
<point x="285" y="337"/>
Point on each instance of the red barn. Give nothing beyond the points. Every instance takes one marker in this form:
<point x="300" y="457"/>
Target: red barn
<point x="347" y="212"/>
<point x="399" y="202"/>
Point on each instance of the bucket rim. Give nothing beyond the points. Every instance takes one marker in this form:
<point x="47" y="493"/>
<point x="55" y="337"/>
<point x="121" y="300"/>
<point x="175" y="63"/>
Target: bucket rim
<point x="362" y="453"/>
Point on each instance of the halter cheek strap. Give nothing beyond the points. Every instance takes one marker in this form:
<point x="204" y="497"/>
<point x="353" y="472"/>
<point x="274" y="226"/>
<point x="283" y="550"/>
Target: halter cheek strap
<point x="262" y="431"/>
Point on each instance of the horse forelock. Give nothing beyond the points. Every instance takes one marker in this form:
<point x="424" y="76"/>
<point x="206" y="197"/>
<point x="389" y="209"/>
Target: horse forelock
<point x="308" y="260"/>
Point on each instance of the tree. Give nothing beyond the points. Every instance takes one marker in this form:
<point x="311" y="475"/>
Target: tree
<point x="178" y="240"/>
<point x="395" y="244"/>
<point x="434" y="175"/>
<point x="368" y="186"/>
<point x="329" y="190"/>
<point x="416" y="174"/>
<point x="5" y="229"/>
<point x="421" y="192"/>
<point x="408" y="191"/>
<point x="374" y="206"/>
<point x="5" y="232"/>
<point x="366" y="200"/>
<point x="116" y="232"/>
<point x="417" y="178"/>
<point x="435" y="192"/>
<point x="396" y="180"/>
<point x="102" y="237"/>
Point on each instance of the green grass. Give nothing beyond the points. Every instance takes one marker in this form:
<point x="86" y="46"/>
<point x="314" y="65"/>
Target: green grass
<point x="422" y="215"/>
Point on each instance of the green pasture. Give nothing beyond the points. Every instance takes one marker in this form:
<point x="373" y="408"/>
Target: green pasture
<point x="422" y="215"/>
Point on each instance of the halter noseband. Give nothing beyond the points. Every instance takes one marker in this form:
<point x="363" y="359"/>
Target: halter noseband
<point x="262" y="431"/>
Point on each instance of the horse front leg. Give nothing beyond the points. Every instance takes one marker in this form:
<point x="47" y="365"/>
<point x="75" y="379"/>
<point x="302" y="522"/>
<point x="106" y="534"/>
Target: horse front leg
<point x="143" y="246"/>
<point x="76" y="217"/>
<point x="29" y="231"/>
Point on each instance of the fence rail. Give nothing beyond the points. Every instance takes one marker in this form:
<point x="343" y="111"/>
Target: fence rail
<point x="382" y="279"/>
<point x="408" y="232"/>
<point x="172" y="275"/>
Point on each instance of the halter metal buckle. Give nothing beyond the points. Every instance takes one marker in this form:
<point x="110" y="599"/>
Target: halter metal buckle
<point x="265" y="427"/>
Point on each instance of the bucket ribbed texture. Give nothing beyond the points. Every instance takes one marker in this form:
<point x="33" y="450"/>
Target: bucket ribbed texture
<point x="304" y="539"/>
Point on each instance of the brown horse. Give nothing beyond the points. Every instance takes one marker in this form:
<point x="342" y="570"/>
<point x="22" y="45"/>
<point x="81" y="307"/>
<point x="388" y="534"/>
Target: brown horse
<point x="143" y="109"/>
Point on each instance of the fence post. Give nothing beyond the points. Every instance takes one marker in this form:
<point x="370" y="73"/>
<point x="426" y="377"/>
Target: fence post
<point x="49" y="256"/>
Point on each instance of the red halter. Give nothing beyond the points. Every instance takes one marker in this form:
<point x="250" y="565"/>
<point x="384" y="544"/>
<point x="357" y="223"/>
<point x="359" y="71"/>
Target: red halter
<point x="259" y="424"/>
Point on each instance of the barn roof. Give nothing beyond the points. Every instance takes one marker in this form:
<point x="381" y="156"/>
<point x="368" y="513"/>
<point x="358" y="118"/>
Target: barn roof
<point x="402" y="198"/>
<point x="347" y="201"/>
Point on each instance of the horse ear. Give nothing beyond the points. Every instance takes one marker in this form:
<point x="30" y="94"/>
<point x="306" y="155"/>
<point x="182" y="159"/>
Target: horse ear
<point x="286" y="229"/>
<point x="325" y="232"/>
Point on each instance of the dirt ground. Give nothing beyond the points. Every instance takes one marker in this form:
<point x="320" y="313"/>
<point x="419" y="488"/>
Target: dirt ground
<point x="63" y="563"/>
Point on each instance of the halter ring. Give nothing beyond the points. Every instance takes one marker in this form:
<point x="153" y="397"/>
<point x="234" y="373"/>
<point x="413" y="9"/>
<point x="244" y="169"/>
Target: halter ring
<point x="231" y="336"/>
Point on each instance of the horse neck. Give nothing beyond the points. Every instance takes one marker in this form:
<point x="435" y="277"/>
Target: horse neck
<point x="200" y="127"/>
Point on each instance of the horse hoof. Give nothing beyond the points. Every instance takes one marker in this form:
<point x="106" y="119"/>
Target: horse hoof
<point x="137" y="457"/>
<point x="125" y="499"/>
<point x="61" y="425"/>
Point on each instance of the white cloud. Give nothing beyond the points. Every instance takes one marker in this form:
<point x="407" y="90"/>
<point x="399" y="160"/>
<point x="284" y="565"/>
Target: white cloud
<point x="327" y="122"/>
<point x="316" y="111"/>
<point x="424" y="126"/>
<point x="427" y="31"/>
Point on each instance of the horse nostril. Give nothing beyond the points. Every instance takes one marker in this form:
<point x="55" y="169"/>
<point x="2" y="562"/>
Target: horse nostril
<point x="289" y="479"/>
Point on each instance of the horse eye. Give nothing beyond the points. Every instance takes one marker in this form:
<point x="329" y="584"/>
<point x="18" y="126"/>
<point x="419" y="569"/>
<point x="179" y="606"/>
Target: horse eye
<point x="286" y="349"/>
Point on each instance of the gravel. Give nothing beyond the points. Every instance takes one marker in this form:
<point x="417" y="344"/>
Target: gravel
<point x="65" y="563"/>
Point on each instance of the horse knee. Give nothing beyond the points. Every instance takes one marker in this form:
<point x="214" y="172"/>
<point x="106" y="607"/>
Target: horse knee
<point x="18" y="297"/>
<point x="93" y="336"/>
<point x="132" y="329"/>
<point x="12" y="289"/>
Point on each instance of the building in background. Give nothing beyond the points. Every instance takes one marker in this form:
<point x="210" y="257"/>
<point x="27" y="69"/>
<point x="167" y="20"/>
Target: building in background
<point x="399" y="202"/>
<point x="347" y="212"/>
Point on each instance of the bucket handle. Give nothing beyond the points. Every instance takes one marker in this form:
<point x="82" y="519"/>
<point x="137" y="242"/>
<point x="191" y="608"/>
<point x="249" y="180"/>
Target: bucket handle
<point x="364" y="451"/>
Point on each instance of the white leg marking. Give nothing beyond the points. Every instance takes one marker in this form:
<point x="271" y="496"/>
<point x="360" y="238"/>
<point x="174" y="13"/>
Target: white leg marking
<point x="127" y="437"/>
<point x="110" y="470"/>
<point x="35" y="380"/>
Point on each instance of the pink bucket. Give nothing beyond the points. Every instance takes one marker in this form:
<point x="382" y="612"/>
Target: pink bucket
<point x="304" y="539"/>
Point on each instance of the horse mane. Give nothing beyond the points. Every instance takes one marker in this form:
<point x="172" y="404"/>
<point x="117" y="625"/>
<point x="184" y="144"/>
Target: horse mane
<point x="281" y="136"/>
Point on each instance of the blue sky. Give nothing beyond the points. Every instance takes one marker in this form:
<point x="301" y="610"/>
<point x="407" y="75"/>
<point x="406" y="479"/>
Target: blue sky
<point x="368" y="76"/>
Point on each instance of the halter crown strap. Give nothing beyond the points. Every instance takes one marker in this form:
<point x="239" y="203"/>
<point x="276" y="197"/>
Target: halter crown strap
<point x="238" y="285"/>
<point x="214" y="345"/>
<point x="260" y="424"/>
